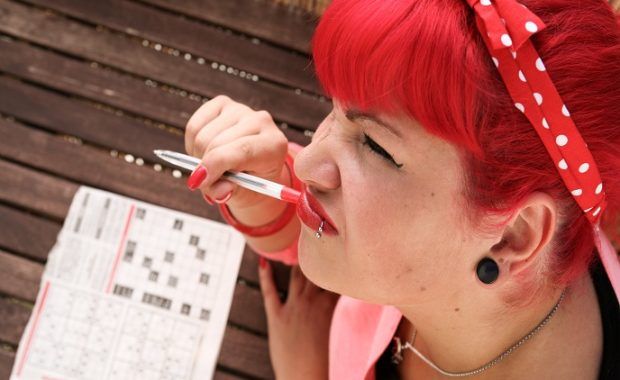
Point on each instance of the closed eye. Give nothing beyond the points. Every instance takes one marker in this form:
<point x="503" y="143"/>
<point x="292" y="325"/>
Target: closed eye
<point x="377" y="149"/>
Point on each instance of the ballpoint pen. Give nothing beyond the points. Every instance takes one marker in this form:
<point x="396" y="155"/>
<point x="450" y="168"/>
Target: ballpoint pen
<point x="244" y="180"/>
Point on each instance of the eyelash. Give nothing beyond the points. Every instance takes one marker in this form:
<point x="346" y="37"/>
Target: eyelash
<point x="377" y="149"/>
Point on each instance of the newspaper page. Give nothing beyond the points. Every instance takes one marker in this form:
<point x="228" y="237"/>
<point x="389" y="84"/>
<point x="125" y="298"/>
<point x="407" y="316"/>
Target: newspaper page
<point x="131" y="291"/>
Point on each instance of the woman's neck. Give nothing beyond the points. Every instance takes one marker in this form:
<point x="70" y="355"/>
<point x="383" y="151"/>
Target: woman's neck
<point x="458" y="341"/>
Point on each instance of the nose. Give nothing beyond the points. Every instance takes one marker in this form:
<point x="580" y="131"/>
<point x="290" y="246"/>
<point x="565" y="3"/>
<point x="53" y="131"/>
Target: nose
<point x="315" y="164"/>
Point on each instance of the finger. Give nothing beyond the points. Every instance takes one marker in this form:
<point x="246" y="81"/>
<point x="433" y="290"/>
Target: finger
<point x="245" y="126"/>
<point x="310" y="288"/>
<point x="226" y="120"/>
<point x="261" y="154"/>
<point x="207" y="112"/>
<point x="220" y="189"/>
<point x="296" y="281"/>
<point x="271" y="299"/>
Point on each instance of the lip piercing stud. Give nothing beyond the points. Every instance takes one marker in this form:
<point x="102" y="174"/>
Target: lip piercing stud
<point x="320" y="230"/>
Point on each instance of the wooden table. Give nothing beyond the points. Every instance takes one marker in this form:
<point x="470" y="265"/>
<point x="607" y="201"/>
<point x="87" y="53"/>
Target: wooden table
<point x="89" y="88"/>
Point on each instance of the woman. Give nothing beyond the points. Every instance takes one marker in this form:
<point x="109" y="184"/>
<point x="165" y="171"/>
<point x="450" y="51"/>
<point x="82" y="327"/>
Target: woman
<point x="450" y="208"/>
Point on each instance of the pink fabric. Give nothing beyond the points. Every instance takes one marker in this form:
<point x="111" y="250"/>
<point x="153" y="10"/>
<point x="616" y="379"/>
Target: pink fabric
<point x="609" y="258"/>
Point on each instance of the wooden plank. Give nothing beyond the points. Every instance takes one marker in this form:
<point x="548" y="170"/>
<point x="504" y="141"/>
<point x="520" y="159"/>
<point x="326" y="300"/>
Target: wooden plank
<point x="19" y="277"/>
<point x="241" y="351"/>
<point x="219" y="375"/>
<point x="26" y="234"/>
<point x="189" y="36"/>
<point x="126" y="54"/>
<point x="14" y="316"/>
<point x="261" y="18"/>
<point x="34" y="191"/>
<point x="104" y="86"/>
<point x="6" y="363"/>
<point x="248" y="353"/>
<point x="70" y="116"/>
<point x="94" y="167"/>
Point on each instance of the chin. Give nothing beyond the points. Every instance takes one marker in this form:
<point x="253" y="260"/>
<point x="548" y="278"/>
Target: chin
<point x="314" y="267"/>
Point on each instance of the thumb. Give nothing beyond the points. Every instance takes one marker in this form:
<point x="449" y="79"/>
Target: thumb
<point x="268" y="288"/>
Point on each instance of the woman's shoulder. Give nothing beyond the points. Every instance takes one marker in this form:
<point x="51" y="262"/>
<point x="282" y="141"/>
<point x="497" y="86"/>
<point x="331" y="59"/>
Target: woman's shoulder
<point x="610" y="318"/>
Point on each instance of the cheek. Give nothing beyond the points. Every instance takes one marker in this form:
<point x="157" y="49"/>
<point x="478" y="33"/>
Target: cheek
<point x="414" y="240"/>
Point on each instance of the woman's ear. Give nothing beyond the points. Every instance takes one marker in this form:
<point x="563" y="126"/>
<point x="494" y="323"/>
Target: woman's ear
<point x="527" y="235"/>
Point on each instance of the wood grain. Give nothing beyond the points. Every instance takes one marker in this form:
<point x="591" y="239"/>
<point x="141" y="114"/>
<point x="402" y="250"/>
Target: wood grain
<point x="198" y="39"/>
<point x="14" y="316"/>
<point x="80" y="119"/>
<point x="35" y="191"/>
<point x="107" y="87"/>
<point x="126" y="54"/>
<point x="260" y="18"/>
<point x="19" y="277"/>
<point x="19" y="230"/>
<point x="6" y="363"/>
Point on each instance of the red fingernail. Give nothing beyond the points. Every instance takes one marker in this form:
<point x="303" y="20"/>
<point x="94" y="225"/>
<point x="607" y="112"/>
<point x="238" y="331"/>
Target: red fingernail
<point x="262" y="262"/>
<point x="224" y="199"/>
<point x="196" y="178"/>
<point x="208" y="199"/>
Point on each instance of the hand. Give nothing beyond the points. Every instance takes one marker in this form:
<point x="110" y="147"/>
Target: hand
<point x="299" y="328"/>
<point x="228" y="135"/>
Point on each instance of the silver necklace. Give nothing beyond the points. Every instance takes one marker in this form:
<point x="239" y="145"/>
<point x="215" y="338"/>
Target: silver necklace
<point x="397" y="355"/>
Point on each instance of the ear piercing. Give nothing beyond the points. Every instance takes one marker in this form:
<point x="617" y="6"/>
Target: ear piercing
<point x="487" y="270"/>
<point x="320" y="230"/>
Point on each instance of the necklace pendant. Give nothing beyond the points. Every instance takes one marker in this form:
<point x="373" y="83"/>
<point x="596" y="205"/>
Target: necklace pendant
<point x="397" y="348"/>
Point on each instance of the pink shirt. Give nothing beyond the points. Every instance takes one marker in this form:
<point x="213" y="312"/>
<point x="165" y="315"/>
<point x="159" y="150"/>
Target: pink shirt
<point x="359" y="331"/>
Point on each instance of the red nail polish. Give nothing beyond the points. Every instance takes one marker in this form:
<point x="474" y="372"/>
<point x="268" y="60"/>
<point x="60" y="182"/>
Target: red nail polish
<point x="196" y="178"/>
<point x="208" y="199"/>
<point x="262" y="262"/>
<point x="224" y="199"/>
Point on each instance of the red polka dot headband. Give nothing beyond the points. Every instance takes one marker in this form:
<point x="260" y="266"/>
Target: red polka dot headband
<point x="506" y="26"/>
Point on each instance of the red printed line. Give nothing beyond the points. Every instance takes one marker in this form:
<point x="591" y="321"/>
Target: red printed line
<point x="37" y="315"/>
<point x="120" y="249"/>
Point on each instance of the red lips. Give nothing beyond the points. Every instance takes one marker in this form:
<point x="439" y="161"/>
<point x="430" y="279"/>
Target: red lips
<point x="311" y="214"/>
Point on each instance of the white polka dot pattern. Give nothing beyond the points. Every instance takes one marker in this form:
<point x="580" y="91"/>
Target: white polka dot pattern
<point x="509" y="27"/>
<point x="520" y="107"/>
<point x="561" y="140"/>
<point x="506" y="40"/>
<point x="562" y="164"/>
<point x="531" y="27"/>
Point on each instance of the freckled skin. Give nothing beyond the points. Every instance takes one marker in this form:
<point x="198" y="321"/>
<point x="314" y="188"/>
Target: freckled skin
<point x="388" y="218"/>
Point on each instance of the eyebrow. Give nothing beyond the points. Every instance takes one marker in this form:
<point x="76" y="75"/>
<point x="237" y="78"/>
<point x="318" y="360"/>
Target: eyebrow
<point x="353" y="115"/>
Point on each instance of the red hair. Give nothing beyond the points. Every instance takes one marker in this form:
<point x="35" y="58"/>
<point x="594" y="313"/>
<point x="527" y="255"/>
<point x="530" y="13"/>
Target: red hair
<point x="427" y="59"/>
